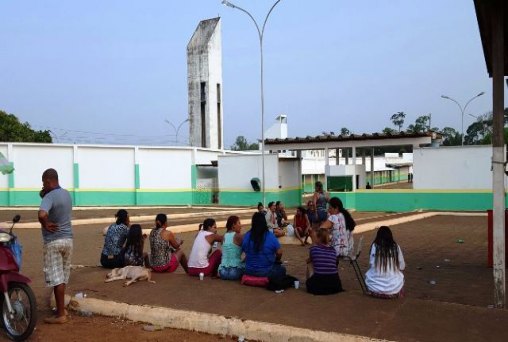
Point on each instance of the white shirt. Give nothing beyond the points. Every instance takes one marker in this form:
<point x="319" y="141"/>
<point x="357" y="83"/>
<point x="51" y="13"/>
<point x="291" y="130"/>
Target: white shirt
<point x="389" y="282"/>
<point x="342" y="239"/>
<point x="271" y="220"/>
<point x="198" y="257"/>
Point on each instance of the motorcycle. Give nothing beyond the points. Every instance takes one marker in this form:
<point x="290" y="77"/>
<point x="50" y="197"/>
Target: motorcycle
<point x="18" y="314"/>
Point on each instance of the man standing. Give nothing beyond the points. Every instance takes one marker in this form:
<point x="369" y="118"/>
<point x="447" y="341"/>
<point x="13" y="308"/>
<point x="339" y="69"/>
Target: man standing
<point x="55" y="217"/>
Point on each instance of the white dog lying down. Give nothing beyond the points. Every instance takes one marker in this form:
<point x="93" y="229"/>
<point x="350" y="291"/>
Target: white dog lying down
<point x="134" y="273"/>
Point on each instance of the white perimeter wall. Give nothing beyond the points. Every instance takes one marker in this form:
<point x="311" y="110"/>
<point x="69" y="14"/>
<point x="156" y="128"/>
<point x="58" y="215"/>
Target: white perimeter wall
<point x="235" y="172"/>
<point x="103" y="167"/>
<point x="4" y="179"/>
<point x="289" y="175"/>
<point x="453" y="167"/>
<point x="164" y="168"/>
<point x="30" y="161"/>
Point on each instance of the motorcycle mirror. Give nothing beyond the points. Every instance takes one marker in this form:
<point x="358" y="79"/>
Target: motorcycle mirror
<point x="16" y="219"/>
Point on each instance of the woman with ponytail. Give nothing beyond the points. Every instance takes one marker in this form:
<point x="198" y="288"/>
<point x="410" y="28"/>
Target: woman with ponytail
<point x="341" y="224"/>
<point x="165" y="248"/>
<point x="384" y="279"/>
<point x="232" y="266"/>
<point x="200" y="259"/>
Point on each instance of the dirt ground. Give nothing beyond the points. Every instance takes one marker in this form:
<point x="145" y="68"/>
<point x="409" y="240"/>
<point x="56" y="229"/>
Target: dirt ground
<point x="440" y="269"/>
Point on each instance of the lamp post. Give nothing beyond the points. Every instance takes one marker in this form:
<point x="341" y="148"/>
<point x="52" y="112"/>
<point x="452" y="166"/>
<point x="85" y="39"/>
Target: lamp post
<point x="260" y="36"/>
<point x="177" y="129"/>
<point x="462" y="109"/>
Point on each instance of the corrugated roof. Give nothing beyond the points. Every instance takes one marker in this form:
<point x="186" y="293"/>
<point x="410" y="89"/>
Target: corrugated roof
<point x="484" y="12"/>
<point x="352" y="137"/>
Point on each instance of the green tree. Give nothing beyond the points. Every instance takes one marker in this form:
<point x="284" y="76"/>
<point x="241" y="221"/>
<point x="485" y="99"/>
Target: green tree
<point x="12" y="130"/>
<point x="480" y="131"/>
<point x="451" y="137"/>
<point x="241" y="144"/>
<point x="398" y="119"/>
<point x="345" y="131"/>
<point x="388" y="130"/>
<point x="421" y="125"/>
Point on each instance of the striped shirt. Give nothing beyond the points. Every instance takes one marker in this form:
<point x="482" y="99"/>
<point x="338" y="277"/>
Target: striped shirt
<point x="324" y="259"/>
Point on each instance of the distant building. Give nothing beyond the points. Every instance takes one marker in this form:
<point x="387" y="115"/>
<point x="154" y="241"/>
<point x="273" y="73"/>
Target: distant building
<point x="279" y="129"/>
<point x="204" y="81"/>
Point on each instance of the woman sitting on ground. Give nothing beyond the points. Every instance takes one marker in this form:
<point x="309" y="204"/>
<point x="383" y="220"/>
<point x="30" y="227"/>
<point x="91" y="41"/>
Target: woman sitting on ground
<point x="165" y="248"/>
<point x="341" y="224"/>
<point x="200" y="259"/>
<point x="301" y="225"/>
<point x="262" y="250"/>
<point x="133" y="254"/>
<point x="261" y="208"/>
<point x="323" y="263"/>
<point x="271" y="221"/>
<point x="232" y="267"/>
<point x="111" y="256"/>
<point x="384" y="279"/>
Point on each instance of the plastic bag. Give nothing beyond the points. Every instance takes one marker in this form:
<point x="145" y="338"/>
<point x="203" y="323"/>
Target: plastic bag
<point x="5" y="166"/>
<point x="17" y="251"/>
<point x="290" y="230"/>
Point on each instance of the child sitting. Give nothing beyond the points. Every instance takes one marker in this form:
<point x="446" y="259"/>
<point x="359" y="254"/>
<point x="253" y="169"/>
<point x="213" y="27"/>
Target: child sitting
<point x="133" y="254"/>
<point x="384" y="279"/>
<point x="323" y="260"/>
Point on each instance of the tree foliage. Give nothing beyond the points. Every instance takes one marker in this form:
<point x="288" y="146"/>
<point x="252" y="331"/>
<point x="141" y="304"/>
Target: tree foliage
<point x="398" y="119"/>
<point x="451" y="137"/>
<point x="345" y="131"/>
<point x="12" y="130"/>
<point x="241" y="144"/>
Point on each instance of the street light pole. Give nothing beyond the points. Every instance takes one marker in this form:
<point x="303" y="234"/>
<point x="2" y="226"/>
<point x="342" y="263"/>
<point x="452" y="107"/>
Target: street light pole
<point x="462" y="109"/>
<point x="177" y="130"/>
<point x="260" y="36"/>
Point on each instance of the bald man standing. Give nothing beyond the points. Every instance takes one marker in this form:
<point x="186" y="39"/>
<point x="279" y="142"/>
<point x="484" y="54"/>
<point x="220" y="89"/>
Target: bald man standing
<point x="55" y="215"/>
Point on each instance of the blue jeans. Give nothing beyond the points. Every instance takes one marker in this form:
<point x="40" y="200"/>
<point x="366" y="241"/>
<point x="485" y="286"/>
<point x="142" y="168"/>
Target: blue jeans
<point x="231" y="273"/>
<point x="277" y="271"/>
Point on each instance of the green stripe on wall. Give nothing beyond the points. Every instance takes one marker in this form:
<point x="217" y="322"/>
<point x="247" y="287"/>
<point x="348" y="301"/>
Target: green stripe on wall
<point x="373" y="200"/>
<point x="291" y="198"/>
<point x="164" y="198"/>
<point x="136" y="176"/>
<point x="75" y="175"/>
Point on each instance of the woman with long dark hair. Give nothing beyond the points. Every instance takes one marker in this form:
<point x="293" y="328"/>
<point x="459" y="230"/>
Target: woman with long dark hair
<point x="111" y="256"/>
<point x="133" y="254"/>
<point x="232" y="267"/>
<point x="200" y="259"/>
<point x="165" y="248"/>
<point x="262" y="250"/>
<point x="384" y="278"/>
<point x="341" y="224"/>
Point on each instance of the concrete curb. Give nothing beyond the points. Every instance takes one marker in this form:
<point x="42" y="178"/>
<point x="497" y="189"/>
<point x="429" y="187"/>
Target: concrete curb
<point x="209" y="323"/>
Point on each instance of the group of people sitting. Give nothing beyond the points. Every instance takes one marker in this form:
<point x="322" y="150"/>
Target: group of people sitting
<point x="258" y="253"/>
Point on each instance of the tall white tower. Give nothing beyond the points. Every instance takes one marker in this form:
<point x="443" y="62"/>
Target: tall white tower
<point x="204" y="81"/>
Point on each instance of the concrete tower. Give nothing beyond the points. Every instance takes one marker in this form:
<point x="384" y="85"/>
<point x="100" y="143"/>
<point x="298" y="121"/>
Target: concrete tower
<point x="204" y="80"/>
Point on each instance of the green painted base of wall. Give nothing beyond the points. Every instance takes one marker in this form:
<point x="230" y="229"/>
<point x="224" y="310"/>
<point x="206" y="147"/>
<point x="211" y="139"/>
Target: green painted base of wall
<point x="368" y="200"/>
<point x="401" y="201"/>
<point x="164" y="198"/>
<point x="291" y="198"/>
<point x="103" y="198"/>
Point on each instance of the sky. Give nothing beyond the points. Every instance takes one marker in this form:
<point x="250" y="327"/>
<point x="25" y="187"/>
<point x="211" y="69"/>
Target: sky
<point x="95" y="71"/>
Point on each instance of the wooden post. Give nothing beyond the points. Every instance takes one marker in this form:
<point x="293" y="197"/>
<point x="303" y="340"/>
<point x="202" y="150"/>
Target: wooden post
<point x="498" y="159"/>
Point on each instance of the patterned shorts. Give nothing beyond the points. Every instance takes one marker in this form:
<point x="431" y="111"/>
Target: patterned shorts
<point x="57" y="261"/>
